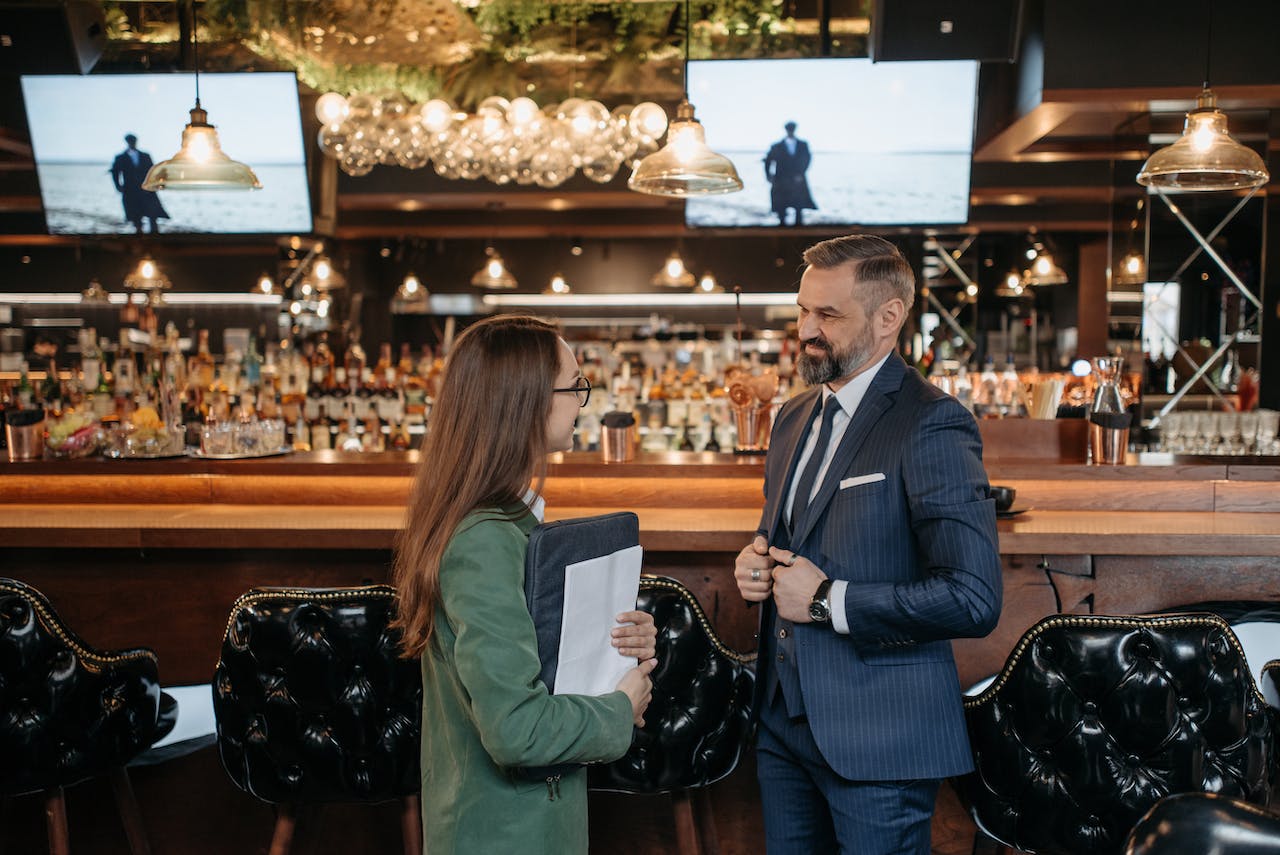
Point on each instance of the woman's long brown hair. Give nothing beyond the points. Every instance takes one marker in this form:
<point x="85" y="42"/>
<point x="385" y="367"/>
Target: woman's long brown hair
<point x="487" y="441"/>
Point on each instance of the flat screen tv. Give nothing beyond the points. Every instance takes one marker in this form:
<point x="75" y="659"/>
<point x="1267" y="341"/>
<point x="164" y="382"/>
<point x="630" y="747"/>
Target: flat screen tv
<point x="78" y="127"/>
<point x="887" y="143"/>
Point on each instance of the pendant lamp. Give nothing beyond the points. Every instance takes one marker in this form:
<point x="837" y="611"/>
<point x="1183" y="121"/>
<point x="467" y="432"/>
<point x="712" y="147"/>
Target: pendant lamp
<point x="1205" y="158"/>
<point x="557" y="285"/>
<point x="685" y="166"/>
<point x="200" y="163"/>
<point x="673" y="273"/>
<point x="494" y="274"/>
<point x="411" y="297"/>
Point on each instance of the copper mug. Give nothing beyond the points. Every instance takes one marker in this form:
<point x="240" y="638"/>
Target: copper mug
<point x="25" y="441"/>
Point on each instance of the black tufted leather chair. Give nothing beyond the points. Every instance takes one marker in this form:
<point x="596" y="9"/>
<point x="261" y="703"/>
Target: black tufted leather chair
<point x="1256" y="624"/>
<point x="314" y="704"/>
<point x="69" y="712"/>
<point x="698" y="720"/>
<point x="1094" y="719"/>
<point x="1204" y="823"/>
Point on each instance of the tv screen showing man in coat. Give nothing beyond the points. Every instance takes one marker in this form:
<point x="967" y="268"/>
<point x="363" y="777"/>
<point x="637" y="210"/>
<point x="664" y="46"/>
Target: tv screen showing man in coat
<point x="784" y="167"/>
<point x="128" y="172"/>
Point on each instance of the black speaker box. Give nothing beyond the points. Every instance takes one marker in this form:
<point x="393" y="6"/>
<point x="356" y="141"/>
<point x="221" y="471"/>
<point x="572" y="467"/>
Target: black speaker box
<point x="945" y="29"/>
<point x="51" y="38"/>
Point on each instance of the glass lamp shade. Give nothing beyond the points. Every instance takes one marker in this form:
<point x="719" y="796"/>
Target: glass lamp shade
<point x="673" y="274"/>
<point x="685" y="166"/>
<point x="411" y="297"/>
<point x="557" y="285"/>
<point x="200" y="163"/>
<point x="95" y="294"/>
<point x="1044" y="271"/>
<point x="1205" y="158"/>
<point x="1132" y="269"/>
<point x="146" y="277"/>
<point x="708" y="285"/>
<point x="494" y="274"/>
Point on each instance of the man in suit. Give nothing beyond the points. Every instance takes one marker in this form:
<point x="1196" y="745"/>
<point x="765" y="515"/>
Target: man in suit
<point x="128" y="171"/>
<point x="877" y="546"/>
<point x="784" y="167"/>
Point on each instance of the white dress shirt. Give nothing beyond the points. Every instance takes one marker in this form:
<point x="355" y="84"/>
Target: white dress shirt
<point x="849" y="397"/>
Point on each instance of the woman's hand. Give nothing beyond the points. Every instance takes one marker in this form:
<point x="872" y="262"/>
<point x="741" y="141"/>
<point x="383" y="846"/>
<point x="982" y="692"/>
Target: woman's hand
<point x="638" y="688"/>
<point x="637" y="636"/>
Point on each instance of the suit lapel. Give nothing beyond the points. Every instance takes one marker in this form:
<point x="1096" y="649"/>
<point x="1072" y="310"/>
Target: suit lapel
<point x="790" y="445"/>
<point x="877" y="399"/>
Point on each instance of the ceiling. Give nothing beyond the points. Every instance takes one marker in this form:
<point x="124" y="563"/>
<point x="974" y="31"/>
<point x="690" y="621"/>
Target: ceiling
<point x="1065" y="119"/>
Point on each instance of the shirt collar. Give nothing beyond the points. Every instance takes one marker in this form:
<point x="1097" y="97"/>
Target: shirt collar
<point x="537" y="505"/>
<point x="852" y="393"/>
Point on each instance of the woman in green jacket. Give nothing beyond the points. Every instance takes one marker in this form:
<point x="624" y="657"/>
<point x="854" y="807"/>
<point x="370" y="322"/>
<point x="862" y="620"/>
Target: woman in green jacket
<point x="510" y="396"/>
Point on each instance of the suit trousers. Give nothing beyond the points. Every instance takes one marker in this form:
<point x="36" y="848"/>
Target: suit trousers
<point x="809" y="809"/>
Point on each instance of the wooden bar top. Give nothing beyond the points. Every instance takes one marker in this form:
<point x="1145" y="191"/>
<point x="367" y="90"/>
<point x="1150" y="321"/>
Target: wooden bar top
<point x="141" y="526"/>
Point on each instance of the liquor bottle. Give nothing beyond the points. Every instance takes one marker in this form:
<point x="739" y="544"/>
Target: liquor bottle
<point x="405" y="367"/>
<point x="384" y="373"/>
<point x="301" y="435"/>
<point x="372" y="439"/>
<point x="200" y="367"/>
<point x="102" y="399"/>
<point x="251" y="366"/>
<point x="51" y="386"/>
<point x="322" y="366"/>
<point x="415" y="392"/>
<point x="686" y="439"/>
<point x="25" y="393"/>
<point x="400" y="439"/>
<point x="321" y="439"/>
<point x="124" y="372"/>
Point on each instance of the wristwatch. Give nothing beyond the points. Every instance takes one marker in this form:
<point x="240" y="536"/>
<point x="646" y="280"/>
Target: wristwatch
<point x="820" y="605"/>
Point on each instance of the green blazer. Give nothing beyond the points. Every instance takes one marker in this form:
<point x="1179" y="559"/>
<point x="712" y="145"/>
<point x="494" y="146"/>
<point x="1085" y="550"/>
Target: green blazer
<point x="484" y="710"/>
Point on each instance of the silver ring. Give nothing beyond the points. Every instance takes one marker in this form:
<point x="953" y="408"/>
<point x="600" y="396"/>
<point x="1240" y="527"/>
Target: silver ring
<point x="793" y="560"/>
<point x="755" y="575"/>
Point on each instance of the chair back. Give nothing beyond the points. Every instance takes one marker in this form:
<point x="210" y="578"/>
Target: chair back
<point x="700" y="714"/>
<point x="312" y="699"/>
<point x="1094" y="719"/>
<point x="67" y="711"/>
<point x="1202" y="823"/>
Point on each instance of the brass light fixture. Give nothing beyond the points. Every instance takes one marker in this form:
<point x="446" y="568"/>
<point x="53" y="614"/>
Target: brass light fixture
<point x="685" y="166"/>
<point x="95" y="294"/>
<point x="494" y="274"/>
<point x="265" y="285"/>
<point x="200" y="163"/>
<point x="148" y="279"/>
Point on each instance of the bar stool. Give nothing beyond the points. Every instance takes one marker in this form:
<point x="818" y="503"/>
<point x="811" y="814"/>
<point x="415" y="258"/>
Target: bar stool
<point x="1093" y="719"/>
<point x="698" y="720"/>
<point x="69" y="712"/>
<point x="315" y="705"/>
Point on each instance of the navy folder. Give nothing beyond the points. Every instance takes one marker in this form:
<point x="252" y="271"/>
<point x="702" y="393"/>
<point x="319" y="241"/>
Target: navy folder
<point x="553" y="547"/>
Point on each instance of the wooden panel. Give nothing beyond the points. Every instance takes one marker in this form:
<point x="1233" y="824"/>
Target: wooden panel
<point x="1120" y="495"/>
<point x="310" y="489"/>
<point x="1247" y="496"/>
<point x="112" y="487"/>
<point x="643" y="492"/>
<point x="1254" y="473"/>
<point x="1046" y="440"/>
<point x="1132" y="584"/>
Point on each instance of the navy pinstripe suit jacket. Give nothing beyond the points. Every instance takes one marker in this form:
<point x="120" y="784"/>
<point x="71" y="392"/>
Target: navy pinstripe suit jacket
<point x="920" y="554"/>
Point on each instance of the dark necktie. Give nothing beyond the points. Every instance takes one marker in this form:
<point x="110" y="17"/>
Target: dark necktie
<point x="800" y="503"/>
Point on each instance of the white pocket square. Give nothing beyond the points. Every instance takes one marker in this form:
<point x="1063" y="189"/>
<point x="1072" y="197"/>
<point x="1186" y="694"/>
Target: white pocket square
<point x="861" y="479"/>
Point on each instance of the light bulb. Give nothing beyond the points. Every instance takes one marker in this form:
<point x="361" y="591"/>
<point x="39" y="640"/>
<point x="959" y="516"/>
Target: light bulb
<point x="1013" y="280"/>
<point x="323" y="269"/>
<point x="1133" y="264"/>
<point x="331" y="108"/>
<point x="437" y="115"/>
<point x="295" y="308"/>
<point x="495" y="268"/>
<point x="147" y="269"/>
<point x="1203" y="136"/>
<point x="971" y="290"/>
<point x="675" y="267"/>
<point x="1043" y="265"/>
<point x="265" y="285"/>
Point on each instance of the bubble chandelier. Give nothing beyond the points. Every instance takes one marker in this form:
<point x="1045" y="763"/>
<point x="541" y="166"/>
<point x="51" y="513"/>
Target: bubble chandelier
<point x="506" y="142"/>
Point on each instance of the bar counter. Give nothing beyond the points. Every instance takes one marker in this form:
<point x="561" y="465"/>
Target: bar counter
<point x="153" y="553"/>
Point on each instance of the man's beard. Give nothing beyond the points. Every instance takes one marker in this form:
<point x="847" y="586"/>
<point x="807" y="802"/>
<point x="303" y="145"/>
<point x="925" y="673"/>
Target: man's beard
<point x="832" y="365"/>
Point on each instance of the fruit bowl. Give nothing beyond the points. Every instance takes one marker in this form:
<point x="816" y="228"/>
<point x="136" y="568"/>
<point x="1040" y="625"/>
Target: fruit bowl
<point x="73" y="435"/>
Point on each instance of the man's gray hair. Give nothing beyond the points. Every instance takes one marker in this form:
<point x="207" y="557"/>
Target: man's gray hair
<point x="878" y="268"/>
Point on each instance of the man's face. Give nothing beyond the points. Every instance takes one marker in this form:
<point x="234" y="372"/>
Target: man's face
<point x="836" y="338"/>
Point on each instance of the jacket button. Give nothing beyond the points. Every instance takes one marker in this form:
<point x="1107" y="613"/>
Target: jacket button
<point x="781" y="658"/>
<point x="782" y="633"/>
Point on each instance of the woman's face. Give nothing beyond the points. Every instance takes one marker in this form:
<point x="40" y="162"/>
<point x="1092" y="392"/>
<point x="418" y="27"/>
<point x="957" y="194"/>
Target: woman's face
<point x="564" y="405"/>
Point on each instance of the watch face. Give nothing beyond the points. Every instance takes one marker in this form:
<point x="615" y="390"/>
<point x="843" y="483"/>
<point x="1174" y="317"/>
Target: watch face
<point x="818" y="612"/>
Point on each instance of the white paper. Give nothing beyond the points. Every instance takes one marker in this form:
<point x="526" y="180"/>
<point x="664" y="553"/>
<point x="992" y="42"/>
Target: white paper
<point x="595" y="592"/>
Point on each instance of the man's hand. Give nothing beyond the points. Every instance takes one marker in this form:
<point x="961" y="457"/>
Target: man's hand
<point x="753" y="571"/>
<point x="795" y="581"/>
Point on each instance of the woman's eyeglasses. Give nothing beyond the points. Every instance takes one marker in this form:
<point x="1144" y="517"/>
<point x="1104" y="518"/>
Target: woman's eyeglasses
<point x="581" y="388"/>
